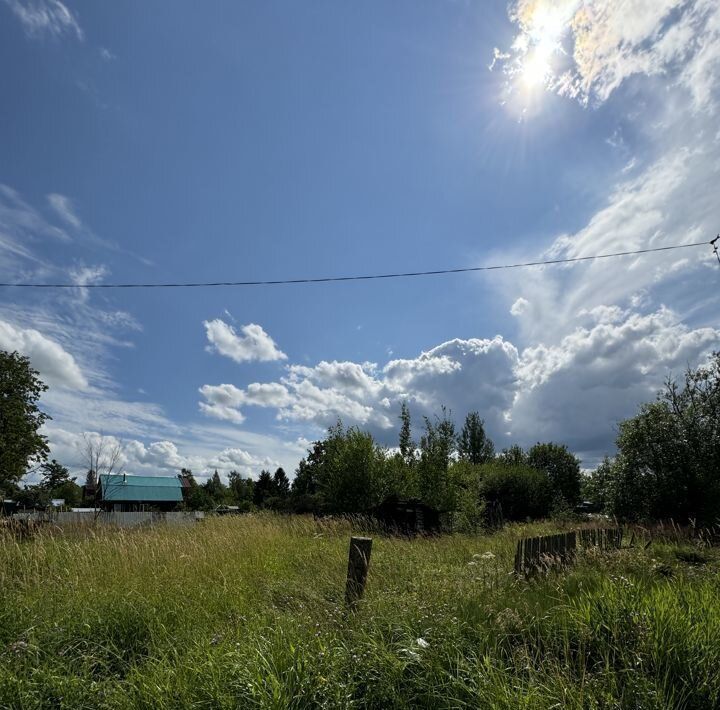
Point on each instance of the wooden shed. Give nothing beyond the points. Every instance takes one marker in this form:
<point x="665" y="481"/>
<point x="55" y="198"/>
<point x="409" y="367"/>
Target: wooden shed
<point x="408" y="516"/>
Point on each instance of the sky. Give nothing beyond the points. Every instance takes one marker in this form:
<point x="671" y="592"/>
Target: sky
<point x="226" y="141"/>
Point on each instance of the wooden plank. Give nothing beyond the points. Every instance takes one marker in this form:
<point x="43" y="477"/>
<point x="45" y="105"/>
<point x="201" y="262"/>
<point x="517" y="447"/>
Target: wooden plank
<point x="358" y="565"/>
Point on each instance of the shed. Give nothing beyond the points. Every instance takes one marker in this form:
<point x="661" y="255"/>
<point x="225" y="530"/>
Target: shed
<point x="7" y="507"/>
<point x="123" y="492"/>
<point x="408" y="516"/>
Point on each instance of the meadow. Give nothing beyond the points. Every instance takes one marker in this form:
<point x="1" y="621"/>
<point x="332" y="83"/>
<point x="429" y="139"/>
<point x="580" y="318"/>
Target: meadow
<point x="248" y="612"/>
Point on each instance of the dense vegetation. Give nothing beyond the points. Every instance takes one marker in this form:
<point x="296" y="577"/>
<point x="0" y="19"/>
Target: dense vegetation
<point x="248" y="612"/>
<point x="668" y="462"/>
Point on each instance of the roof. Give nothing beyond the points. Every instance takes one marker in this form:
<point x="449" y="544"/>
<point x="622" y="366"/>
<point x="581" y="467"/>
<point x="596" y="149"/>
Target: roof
<point x="122" y="487"/>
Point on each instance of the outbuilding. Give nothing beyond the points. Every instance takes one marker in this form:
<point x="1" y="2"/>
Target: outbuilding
<point x="121" y="492"/>
<point x="407" y="516"/>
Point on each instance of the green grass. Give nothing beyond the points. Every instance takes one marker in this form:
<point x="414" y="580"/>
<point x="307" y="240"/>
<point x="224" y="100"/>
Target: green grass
<point x="248" y="612"/>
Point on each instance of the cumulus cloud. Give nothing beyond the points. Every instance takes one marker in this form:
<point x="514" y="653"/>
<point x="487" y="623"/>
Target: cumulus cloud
<point x="46" y="17"/>
<point x="253" y="344"/>
<point x="464" y="374"/>
<point x="577" y="391"/>
<point x="55" y="365"/>
<point x="574" y="390"/>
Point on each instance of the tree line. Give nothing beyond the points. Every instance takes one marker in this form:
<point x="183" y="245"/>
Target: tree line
<point x="667" y="463"/>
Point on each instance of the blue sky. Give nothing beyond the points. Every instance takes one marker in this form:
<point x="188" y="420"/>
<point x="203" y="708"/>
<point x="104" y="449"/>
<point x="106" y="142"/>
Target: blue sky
<point x="244" y="141"/>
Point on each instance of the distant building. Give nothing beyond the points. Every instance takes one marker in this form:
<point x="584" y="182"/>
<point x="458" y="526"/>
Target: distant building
<point x="126" y="493"/>
<point x="408" y="517"/>
<point x="7" y="507"/>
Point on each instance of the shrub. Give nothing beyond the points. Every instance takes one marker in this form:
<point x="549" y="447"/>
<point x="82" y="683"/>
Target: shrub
<point x="522" y="491"/>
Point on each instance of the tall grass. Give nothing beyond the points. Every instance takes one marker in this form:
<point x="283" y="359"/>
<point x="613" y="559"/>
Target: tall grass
<point x="248" y="612"/>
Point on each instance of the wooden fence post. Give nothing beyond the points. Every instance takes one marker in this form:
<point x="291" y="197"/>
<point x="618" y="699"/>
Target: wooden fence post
<point x="358" y="563"/>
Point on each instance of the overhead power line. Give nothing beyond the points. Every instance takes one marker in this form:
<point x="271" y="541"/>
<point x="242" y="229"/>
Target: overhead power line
<point x="362" y="277"/>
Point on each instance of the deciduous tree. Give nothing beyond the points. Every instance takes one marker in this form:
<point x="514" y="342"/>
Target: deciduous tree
<point x="21" y="443"/>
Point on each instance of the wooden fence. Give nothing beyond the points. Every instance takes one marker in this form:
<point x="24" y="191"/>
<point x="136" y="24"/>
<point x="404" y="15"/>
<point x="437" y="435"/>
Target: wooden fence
<point x="538" y="554"/>
<point x="603" y="538"/>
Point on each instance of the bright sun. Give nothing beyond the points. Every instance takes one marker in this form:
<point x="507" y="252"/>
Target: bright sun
<point x="543" y="35"/>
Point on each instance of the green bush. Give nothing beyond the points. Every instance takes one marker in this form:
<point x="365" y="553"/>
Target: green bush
<point x="522" y="491"/>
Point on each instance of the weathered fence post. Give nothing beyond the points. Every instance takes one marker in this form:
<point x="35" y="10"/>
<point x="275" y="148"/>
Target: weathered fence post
<point x="358" y="563"/>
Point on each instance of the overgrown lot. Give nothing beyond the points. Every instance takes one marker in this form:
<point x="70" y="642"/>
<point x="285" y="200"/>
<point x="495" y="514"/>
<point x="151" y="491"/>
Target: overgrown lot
<point x="248" y="612"/>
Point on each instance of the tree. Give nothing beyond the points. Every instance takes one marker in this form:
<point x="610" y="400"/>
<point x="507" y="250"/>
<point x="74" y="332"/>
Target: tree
<point x="514" y="456"/>
<point x="91" y="479"/>
<point x="473" y="444"/>
<point x="216" y="490"/>
<point x="101" y="454"/>
<point x="562" y="469"/>
<point x="597" y="485"/>
<point x="54" y="474"/>
<point x="241" y="490"/>
<point x="69" y="491"/>
<point x="521" y="491"/>
<point x="437" y="447"/>
<point x="407" y="445"/>
<point x="349" y="476"/>
<point x="304" y="490"/>
<point x="670" y="452"/>
<point x="21" y="443"/>
<point x="281" y="483"/>
<point x="264" y="489"/>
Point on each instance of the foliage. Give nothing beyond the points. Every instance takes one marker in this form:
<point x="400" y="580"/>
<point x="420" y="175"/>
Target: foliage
<point x="247" y="612"/>
<point x="350" y="472"/>
<point x="264" y="488"/>
<point x="522" y="491"/>
<point x="406" y="444"/>
<point x="596" y="486"/>
<point x="437" y="447"/>
<point x="473" y="444"/>
<point x="21" y="444"/>
<point x="562" y="469"/>
<point x="466" y="483"/>
<point x="669" y="454"/>
<point x="513" y="456"/>
<point x="54" y="474"/>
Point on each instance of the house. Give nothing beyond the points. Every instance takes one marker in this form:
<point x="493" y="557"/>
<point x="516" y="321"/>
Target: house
<point x="408" y="517"/>
<point x="121" y="492"/>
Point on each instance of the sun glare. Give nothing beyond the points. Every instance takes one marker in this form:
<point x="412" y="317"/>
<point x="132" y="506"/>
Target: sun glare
<point x="536" y="68"/>
<point x="543" y="40"/>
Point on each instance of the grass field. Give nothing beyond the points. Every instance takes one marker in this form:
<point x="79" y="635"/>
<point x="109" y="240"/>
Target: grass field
<point x="248" y="612"/>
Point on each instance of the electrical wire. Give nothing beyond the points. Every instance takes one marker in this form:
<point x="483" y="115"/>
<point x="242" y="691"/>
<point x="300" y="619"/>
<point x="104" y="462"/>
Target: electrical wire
<point x="365" y="277"/>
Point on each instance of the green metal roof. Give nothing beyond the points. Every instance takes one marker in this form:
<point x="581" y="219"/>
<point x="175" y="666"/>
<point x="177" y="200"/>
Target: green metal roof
<point x="122" y="487"/>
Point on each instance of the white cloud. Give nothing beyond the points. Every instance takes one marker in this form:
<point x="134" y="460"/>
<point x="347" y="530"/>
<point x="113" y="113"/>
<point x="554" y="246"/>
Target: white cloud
<point x="46" y="17"/>
<point x="86" y="275"/>
<point x="253" y="344"/>
<point x="155" y="458"/>
<point x="574" y="391"/>
<point x="577" y="391"/>
<point x="519" y="306"/>
<point x="464" y="374"/>
<point x="588" y="48"/>
<point x="63" y="206"/>
<point x="223" y="402"/>
<point x="55" y="365"/>
<point x="20" y="226"/>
